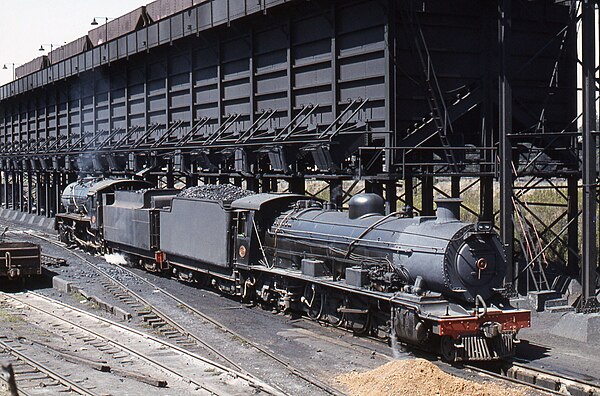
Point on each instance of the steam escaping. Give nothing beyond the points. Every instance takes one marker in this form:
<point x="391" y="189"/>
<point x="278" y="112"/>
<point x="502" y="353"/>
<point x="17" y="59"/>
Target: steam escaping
<point x="398" y="351"/>
<point x="115" y="259"/>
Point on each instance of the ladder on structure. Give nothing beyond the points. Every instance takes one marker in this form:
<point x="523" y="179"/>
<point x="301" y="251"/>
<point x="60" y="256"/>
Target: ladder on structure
<point x="531" y="245"/>
<point x="434" y="95"/>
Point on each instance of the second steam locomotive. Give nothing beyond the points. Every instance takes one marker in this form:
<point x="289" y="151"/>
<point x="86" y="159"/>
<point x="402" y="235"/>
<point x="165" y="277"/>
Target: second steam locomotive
<point x="433" y="282"/>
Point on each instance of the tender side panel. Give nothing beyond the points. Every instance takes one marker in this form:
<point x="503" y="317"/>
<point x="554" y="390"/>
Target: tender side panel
<point x="127" y="226"/>
<point x="184" y="233"/>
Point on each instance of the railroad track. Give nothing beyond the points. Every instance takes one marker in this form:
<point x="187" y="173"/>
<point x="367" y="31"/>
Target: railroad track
<point x="131" y="345"/>
<point x="169" y="327"/>
<point x="549" y="381"/>
<point x="51" y="261"/>
<point x="149" y="314"/>
<point x="34" y="376"/>
<point x="515" y="372"/>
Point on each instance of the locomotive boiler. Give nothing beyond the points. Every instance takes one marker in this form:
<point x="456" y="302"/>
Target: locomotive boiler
<point x="438" y="253"/>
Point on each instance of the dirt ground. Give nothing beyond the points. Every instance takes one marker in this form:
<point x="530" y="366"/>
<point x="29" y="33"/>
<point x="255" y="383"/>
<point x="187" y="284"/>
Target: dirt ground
<point x="417" y="377"/>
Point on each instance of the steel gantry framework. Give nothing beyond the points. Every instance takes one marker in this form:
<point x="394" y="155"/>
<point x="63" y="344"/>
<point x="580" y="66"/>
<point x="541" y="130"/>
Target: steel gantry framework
<point x="391" y="96"/>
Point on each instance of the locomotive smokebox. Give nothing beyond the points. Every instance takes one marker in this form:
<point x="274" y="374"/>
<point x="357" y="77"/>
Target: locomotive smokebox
<point x="364" y="204"/>
<point x="448" y="210"/>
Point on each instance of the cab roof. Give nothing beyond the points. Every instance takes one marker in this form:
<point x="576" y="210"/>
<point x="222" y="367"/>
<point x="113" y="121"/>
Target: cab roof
<point x="257" y="201"/>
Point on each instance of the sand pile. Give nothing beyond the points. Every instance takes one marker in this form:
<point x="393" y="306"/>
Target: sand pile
<point x="417" y="377"/>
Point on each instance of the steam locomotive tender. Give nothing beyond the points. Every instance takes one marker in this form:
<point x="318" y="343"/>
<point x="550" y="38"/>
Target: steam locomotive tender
<point x="432" y="282"/>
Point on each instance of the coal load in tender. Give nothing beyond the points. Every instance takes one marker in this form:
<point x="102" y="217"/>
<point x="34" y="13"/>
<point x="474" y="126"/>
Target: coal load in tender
<point x="221" y="192"/>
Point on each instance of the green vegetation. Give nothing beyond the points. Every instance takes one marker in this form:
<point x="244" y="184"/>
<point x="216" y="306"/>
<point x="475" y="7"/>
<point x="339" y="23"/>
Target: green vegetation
<point x="8" y="317"/>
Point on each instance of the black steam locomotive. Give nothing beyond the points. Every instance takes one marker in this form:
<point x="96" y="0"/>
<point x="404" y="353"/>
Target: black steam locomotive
<point x="434" y="282"/>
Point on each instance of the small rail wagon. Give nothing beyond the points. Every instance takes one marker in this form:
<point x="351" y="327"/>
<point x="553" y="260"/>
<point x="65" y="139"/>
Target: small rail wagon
<point x="19" y="260"/>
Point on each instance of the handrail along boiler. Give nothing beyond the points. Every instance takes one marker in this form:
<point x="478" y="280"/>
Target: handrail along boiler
<point x="431" y="281"/>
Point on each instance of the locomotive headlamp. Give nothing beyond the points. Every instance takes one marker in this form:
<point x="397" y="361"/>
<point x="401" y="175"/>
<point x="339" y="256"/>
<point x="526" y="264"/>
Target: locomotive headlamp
<point x="242" y="251"/>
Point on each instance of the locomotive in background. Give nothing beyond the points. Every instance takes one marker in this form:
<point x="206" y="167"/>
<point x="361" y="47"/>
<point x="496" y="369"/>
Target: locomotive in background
<point x="433" y="282"/>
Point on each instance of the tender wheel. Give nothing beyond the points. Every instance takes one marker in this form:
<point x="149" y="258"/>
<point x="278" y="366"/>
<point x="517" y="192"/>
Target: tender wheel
<point x="448" y="350"/>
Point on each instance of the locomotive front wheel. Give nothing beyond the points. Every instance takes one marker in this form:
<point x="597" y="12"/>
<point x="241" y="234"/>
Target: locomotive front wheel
<point x="447" y="349"/>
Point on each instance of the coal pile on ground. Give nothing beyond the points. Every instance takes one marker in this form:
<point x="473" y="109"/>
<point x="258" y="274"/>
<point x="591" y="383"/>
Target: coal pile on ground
<point x="418" y="377"/>
<point x="220" y="192"/>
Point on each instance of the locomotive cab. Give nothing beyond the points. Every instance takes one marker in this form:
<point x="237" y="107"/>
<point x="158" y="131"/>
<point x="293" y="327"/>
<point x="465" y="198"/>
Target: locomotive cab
<point x="255" y="215"/>
<point x="247" y="237"/>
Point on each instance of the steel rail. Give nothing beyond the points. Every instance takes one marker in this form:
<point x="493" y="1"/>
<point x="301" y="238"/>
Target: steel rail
<point x="558" y="378"/>
<point x="47" y="371"/>
<point x="241" y="372"/>
<point x="251" y="381"/>
<point x="287" y="365"/>
<point x="510" y="379"/>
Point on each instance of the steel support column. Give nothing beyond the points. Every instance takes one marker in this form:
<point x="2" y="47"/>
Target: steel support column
<point x="170" y="177"/>
<point x="409" y="202"/>
<point x="47" y="195"/>
<point x="60" y="184"/>
<point x="6" y="190"/>
<point x="21" y="191"/>
<point x="191" y="180"/>
<point x="13" y="180"/>
<point x="223" y="179"/>
<point x="505" y="128"/>
<point x="455" y="186"/>
<point x="391" y="196"/>
<point x="15" y="192"/>
<point x="336" y="193"/>
<point x="590" y="253"/>
<point x="29" y="192"/>
<point x="53" y="191"/>
<point x="374" y="187"/>
<point x="252" y="184"/>
<point x="390" y="37"/>
<point x="573" y="229"/>
<point x="486" y="183"/>
<point x="297" y="185"/>
<point x="265" y="185"/>
<point x="38" y="193"/>
<point x="427" y="196"/>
